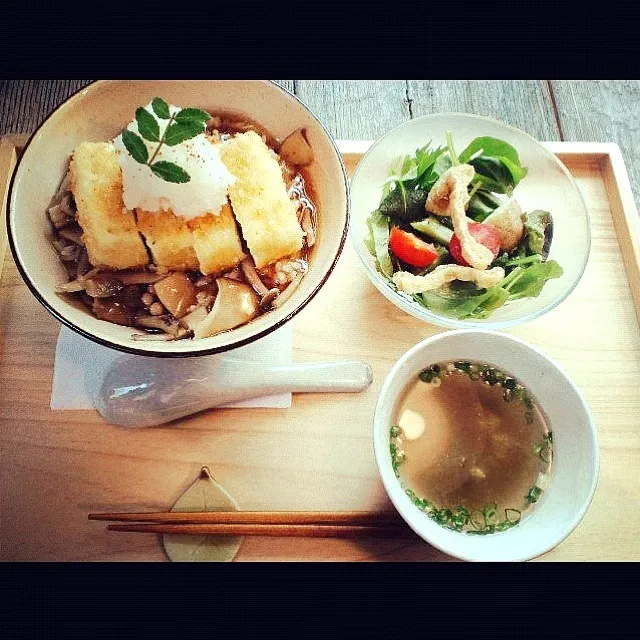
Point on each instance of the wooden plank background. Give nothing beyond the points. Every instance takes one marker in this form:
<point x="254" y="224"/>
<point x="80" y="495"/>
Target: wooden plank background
<point x="576" y="110"/>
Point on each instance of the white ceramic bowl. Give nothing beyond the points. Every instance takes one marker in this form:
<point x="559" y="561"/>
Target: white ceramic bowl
<point x="98" y="113"/>
<point x="548" y="186"/>
<point x="575" y="463"/>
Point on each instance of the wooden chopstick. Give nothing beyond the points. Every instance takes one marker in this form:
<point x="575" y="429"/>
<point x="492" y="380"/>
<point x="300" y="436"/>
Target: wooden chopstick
<point x="270" y="530"/>
<point x="353" y="518"/>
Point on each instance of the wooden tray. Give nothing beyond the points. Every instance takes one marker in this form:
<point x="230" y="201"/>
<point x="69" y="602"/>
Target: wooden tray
<point x="59" y="466"/>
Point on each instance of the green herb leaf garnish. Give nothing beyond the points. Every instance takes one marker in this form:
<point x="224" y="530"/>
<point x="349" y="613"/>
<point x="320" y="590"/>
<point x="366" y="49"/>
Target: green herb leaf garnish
<point x="182" y="131"/>
<point x="186" y="124"/>
<point x="544" y="449"/>
<point x="534" y="495"/>
<point x="193" y="115"/>
<point x="135" y="145"/>
<point x="170" y="172"/>
<point x="161" y="108"/>
<point x="147" y="125"/>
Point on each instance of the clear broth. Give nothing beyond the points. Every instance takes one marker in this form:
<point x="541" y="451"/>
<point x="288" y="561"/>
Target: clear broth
<point x="474" y="439"/>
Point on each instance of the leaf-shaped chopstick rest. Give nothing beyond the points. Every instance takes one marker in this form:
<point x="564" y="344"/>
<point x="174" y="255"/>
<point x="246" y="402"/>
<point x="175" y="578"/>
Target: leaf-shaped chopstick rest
<point x="205" y="494"/>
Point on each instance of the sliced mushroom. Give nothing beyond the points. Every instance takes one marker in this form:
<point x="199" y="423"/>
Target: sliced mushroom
<point x="75" y="286"/>
<point x="250" y="273"/>
<point x="101" y="286"/>
<point x="307" y="226"/>
<point x="176" y="292"/>
<point x="268" y="299"/>
<point x="289" y="291"/>
<point x="58" y="217"/>
<point x="267" y="296"/>
<point x="296" y="149"/>
<point x="83" y="263"/>
<point x="235" y="305"/>
<point x="139" y="277"/>
<point x="71" y="234"/>
<point x="193" y="319"/>
<point x="156" y="323"/>
<point x="111" y="311"/>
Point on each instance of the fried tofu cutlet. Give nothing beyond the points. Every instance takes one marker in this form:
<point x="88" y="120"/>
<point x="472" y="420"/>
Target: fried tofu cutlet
<point x="169" y="239"/>
<point x="109" y="230"/>
<point x="216" y="241"/>
<point x="259" y="198"/>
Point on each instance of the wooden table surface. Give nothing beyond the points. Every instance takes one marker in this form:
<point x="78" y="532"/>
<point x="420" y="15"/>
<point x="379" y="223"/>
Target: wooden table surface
<point x="584" y="110"/>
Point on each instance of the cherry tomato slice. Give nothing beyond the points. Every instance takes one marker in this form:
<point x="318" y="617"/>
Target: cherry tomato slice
<point x="411" y="249"/>
<point x="483" y="233"/>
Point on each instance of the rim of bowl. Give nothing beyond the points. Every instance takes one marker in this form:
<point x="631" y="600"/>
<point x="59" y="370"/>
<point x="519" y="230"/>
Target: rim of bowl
<point x="386" y="472"/>
<point x="424" y="314"/>
<point x="195" y="352"/>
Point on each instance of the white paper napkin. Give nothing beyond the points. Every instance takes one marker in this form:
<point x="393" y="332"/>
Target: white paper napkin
<point x="80" y="366"/>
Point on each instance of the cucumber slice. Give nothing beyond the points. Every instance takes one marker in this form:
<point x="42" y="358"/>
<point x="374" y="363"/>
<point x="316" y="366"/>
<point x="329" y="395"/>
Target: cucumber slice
<point x="434" y="229"/>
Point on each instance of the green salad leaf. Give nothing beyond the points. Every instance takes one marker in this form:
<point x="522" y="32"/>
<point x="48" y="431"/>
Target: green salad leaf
<point x="529" y="282"/>
<point x="496" y="162"/>
<point x="498" y="171"/>
<point x="463" y="300"/>
<point x="488" y="146"/>
<point x="404" y="205"/>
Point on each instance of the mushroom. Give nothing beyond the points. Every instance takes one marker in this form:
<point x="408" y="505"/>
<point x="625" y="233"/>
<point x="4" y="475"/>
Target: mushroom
<point x="267" y="296"/>
<point x="289" y="291"/>
<point x="235" y="305"/>
<point x="296" y="149"/>
<point x="307" y="226"/>
<point x="111" y="311"/>
<point x="176" y="292"/>
<point x="194" y="318"/>
<point x="96" y="285"/>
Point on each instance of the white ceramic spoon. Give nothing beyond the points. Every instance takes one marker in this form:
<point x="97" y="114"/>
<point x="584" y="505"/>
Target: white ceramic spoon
<point x="149" y="392"/>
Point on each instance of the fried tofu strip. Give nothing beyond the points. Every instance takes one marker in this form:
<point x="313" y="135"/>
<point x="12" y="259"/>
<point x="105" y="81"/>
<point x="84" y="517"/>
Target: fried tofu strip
<point x="508" y="221"/>
<point x="169" y="239"/>
<point x="216" y="241"/>
<point x="260" y="201"/>
<point x="445" y="273"/>
<point x="109" y="230"/>
<point x="449" y="197"/>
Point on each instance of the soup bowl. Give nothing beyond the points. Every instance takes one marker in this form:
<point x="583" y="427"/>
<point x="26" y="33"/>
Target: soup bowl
<point x="98" y="113"/>
<point x="574" y="468"/>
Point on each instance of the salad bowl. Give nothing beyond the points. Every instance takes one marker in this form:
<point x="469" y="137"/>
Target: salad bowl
<point x="544" y="184"/>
